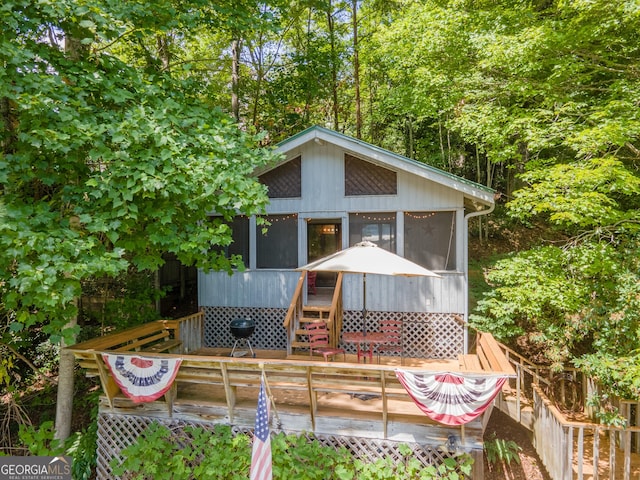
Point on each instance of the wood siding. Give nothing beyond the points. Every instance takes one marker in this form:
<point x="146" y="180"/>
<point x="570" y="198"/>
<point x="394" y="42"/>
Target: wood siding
<point x="323" y="189"/>
<point x="274" y="289"/>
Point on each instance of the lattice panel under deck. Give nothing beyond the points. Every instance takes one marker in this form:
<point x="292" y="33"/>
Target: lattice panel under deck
<point x="426" y="335"/>
<point x="116" y="432"/>
<point x="268" y="335"/>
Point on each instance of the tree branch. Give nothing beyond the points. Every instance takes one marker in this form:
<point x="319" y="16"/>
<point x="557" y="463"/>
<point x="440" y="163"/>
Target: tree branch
<point x="117" y="39"/>
<point x="28" y="362"/>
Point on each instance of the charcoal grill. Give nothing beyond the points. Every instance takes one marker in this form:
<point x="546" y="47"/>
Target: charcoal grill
<point x="242" y="329"/>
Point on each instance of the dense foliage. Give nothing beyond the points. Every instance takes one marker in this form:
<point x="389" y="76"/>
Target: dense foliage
<point x="107" y="163"/>
<point x="571" y="87"/>
<point x="105" y="166"/>
<point x="198" y="453"/>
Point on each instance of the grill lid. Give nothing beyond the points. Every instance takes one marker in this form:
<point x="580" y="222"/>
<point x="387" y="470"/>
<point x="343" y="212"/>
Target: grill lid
<point x="243" y="323"/>
<point x="242" y="327"/>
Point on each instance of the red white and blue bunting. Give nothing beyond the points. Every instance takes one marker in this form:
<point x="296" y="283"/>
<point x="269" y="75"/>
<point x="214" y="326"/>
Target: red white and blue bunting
<point x="451" y="398"/>
<point x="142" y="379"/>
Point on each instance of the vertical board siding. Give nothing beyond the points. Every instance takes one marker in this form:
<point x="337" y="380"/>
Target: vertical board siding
<point x="258" y="288"/>
<point x="323" y="189"/>
<point x="405" y="294"/>
<point x="322" y="196"/>
<point x="274" y="289"/>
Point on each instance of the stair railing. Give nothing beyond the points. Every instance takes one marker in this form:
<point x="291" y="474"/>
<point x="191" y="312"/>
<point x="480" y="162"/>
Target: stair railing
<point x="293" y="314"/>
<point x="334" y="321"/>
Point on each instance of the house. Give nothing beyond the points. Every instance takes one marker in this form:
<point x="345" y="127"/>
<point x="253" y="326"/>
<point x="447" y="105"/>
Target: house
<point x="327" y="193"/>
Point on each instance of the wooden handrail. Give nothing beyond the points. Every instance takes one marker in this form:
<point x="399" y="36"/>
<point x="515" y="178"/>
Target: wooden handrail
<point x="566" y="457"/>
<point x="492" y="356"/>
<point x="112" y="340"/>
<point x="296" y="301"/>
<point x="334" y="322"/>
<point x="183" y="335"/>
<point x="174" y="323"/>
<point x="309" y="376"/>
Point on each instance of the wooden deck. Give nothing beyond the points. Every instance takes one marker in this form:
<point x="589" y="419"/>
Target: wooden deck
<point x="213" y="385"/>
<point x="307" y="395"/>
<point x="345" y="399"/>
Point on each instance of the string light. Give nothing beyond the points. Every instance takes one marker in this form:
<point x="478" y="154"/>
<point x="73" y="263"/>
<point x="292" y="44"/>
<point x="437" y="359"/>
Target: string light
<point x="280" y="218"/>
<point x="421" y="216"/>
<point x="373" y="218"/>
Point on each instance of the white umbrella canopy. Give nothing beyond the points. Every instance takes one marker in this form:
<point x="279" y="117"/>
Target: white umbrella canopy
<point x="366" y="257"/>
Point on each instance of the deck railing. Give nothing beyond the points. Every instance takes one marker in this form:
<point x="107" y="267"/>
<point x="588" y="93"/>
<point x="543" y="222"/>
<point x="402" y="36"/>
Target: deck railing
<point x="571" y="449"/>
<point x="189" y="330"/>
<point x="334" y="320"/>
<point x="580" y="450"/>
<point x="310" y="378"/>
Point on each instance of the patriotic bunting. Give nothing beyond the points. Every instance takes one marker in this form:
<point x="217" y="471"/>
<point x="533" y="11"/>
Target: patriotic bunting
<point x="142" y="379"/>
<point x="451" y="398"/>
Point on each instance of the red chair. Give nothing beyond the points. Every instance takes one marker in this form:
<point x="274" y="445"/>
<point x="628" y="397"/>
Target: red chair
<point x="392" y="330"/>
<point x="311" y="282"/>
<point x="319" y="341"/>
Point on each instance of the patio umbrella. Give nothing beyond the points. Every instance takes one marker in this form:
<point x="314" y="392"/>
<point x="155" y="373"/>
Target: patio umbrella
<point x="366" y="257"/>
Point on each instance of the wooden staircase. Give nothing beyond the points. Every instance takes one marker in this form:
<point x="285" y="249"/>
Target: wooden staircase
<point x="309" y="314"/>
<point x="299" y="315"/>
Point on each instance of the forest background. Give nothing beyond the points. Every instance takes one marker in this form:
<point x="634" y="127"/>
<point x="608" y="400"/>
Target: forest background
<point x="123" y="123"/>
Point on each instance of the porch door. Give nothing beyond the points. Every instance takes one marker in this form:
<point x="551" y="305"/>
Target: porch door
<point x="324" y="237"/>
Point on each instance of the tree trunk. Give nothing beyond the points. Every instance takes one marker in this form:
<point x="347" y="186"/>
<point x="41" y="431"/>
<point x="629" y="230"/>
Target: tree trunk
<point x="409" y="142"/>
<point x="309" y="74"/>
<point x="442" y="154"/>
<point x="356" y="69"/>
<point x="235" y="79"/>
<point x="74" y="49"/>
<point x="334" y="67"/>
<point x="479" y="180"/>
<point x="260" y="73"/>
<point x="157" y="286"/>
<point x="164" y="51"/>
<point x="64" y="402"/>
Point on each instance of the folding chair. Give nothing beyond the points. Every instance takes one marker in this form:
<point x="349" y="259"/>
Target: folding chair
<point x="319" y="341"/>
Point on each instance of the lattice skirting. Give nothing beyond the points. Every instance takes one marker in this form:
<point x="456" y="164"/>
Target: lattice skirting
<point x="116" y="432"/>
<point x="426" y="335"/>
<point x="268" y="335"/>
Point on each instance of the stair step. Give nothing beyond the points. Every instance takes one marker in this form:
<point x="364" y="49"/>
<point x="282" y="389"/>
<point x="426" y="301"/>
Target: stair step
<point x="316" y="308"/>
<point x="300" y="344"/>
<point x="310" y="319"/>
<point x="315" y="313"/>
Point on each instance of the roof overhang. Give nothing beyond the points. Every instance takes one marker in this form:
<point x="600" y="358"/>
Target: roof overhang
<point x="472" y="191"/>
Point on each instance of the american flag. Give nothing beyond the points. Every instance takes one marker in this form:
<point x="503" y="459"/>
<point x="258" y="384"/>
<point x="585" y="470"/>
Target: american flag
<point x="261" y="455"/>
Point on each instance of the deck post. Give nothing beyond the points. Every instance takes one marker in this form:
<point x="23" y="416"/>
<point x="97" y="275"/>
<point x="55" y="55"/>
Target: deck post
<point x="229" y="391"/>
<point x="477" y="471"/>
<point x="385" y="413"/>
<point x="312" y="400"/>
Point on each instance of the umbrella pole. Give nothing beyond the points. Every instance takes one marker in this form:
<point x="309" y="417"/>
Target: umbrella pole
<point x="364" y="303"/>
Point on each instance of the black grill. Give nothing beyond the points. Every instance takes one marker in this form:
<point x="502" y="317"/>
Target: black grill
<point x="242" y="329"/>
